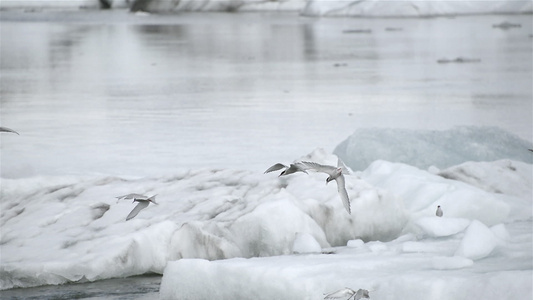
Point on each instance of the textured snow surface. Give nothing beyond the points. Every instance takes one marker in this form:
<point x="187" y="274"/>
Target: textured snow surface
<point x="61" y="229"/>
<point x="405" y="268"/>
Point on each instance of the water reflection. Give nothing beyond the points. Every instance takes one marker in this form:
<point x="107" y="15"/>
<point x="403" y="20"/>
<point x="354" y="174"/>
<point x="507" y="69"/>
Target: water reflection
<point x="133" y="97"/>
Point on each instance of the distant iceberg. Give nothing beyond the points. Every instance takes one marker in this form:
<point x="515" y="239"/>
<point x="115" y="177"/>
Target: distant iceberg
<point x="314" y="8"/>
<point x="426" y="148"/>
<point x="336" y="8"/>
<point x="398" y="8"/>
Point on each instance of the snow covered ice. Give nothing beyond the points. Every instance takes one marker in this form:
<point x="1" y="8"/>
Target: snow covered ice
<point x="480" y="248"/>
<point x="260" y="236"/>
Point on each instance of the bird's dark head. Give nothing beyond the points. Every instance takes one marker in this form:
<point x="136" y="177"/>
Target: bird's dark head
<point x="328" y="179"/>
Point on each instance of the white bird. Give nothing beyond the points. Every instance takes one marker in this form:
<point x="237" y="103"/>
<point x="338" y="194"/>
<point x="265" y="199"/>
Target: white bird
<point x="335" y="173"/>
<point x="293" y="168"/>
<point x="132" y="196"/>
<point x="439" y="211"/>
<point x="348" y="292"/>
<point x="143" y="203"/>
<point x="5" y="129"/>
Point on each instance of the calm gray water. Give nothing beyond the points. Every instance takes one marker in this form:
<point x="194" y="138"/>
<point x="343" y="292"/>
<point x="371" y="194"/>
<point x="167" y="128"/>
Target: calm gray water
<point x="108" y="92"/>
<point x="144" y="287"/>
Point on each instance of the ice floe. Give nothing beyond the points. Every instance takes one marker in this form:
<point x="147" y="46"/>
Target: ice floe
<point x="270" y="237"/>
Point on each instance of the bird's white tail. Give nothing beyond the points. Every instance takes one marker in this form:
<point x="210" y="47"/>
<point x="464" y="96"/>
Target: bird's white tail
<point x="343" y="167"/>
<point x="152" y="199"/>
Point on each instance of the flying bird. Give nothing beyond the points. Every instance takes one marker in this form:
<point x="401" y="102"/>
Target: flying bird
<point x="143" y="203"/>
<point x="335" y="173"/>
<point x="439" y="211"/>
<point x="132" y="196"/>
<point x="5" y="129"/>
<point x="348" y="292"/>
<point x="293" y="168"/>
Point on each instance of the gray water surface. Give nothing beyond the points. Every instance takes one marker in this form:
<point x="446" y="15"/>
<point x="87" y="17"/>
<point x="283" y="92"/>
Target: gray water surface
<point x="143" y="287"/>
<point x="108" y="92"/>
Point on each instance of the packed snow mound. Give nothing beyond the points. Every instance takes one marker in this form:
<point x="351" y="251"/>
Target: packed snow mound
<point x="439" y="227"/>
<point x="305" y="243"/>
<point x="493" y="176"/>
<point x="427" y="148"/>
<point x="399" y="8"/>
<point x="405" y="268"/>
<point x="479" y="241"/>
<point x="423" y="191"/>
<point x="65" y="229"/>
<point x="61" y="229"/>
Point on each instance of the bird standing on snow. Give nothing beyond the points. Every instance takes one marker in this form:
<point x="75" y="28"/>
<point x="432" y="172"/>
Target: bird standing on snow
<point x="293" y="168"/>
<point x="335" y="173"/>
<point x="348" y="292"/>
<point x="5" y="129"/>
<point x="439" y="211"/>
<point x="143" y="203"/>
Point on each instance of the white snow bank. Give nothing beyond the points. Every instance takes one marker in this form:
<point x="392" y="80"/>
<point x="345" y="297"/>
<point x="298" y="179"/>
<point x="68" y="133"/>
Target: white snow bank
<point x="61" y="229"/>
<point x="305" y="243"/>
<point x="427" y="148"/>
<point x="478" y="242"/>
<point x="378" y="8"/>
<point x="451" y="263"/>
<point x="433" y="272"/>
<point x="494" y="177"/>
<point x="438" y="227"/>
<point x="422" y="192"/>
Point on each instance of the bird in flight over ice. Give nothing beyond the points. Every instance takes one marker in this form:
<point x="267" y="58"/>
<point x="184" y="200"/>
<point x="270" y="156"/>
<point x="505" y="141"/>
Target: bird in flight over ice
<point x="143" y="203"/>
<point x="132" y="196"/>
<point x="438" y="213"/>
<point x="335" y="173"/>
<point x="5" y="129"/>
<point x="348" y="292"/>
<point x="293" y="168"/>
